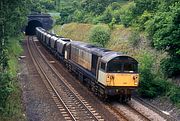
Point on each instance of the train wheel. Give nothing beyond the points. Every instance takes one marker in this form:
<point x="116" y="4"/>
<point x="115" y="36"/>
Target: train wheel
<point x="88" y="84"/>
<point x="123" y="99"/>
<point x="95" y="89"/>
<point x="101" y="94"/>
<point x="129" y="97"/>
<point x="104" y="98"/>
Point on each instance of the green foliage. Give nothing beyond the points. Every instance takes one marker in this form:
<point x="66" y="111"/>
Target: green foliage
<point x="13" y="16"/>
<point x="142" y="20"/>
<point x="5" y="90"/>
<point x="111" y="14"/>
<point x="146" y="77"/>
<point x="42" y="5"/>
<point x="127" y="14"/>
<point x="145" y="5"/>
<point x="12" y="20"/>
<point x="174" y="95"/>
<point x="171" y="66"/>
<point x="65" y="14"/>
<point x="151" y="85"/>
<point x="164" y="27"/>
<point x="92" y="11"/>
<point x="36" y="6"/>
<point x="107" y="16"/>
<point x="95" y="6"/>
<point x="48" y="4"/>
<point x="99" y="35"/>
<point x="134" y="38"/>
<point x="164" y="30"/>
<point x="58" y="21"/>
<point x="15" y="50"/>
<point x="3" y="58"/>
<point x="111" y="25"/>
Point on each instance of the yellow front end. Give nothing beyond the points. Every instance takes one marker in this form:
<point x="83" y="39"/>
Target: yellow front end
<point x="122" y="79"/>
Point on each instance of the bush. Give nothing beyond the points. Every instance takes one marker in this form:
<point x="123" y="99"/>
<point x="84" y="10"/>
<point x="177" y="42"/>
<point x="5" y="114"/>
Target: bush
<point x="10" y="93"/>
<point x="48" y="4"/>
<point x="127" y="14"/>
<point x="107" y="15"/>
<point x="59" y="22"/>
<point x="171" y="66"/>
<point x="142" y="20"/>
<point x="99" y="35"/>
<point x="5" y="89"/>
<point x="146" y="81"/>
<point x="111" y="25"/>
<point x="134" y="38"/>
<point x="174" y="95"/>
<point x="78" y="16"/>
<point x="88" y="18"/>
<point x="151" y="85"/>
<point x="66" y="14"/>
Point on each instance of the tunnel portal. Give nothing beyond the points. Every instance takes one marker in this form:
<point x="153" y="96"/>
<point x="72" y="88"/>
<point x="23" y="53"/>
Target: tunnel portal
<point x="31" y="27"/>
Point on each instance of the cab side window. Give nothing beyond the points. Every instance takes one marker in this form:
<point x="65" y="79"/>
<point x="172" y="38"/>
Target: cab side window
<point x="103" y="66"/>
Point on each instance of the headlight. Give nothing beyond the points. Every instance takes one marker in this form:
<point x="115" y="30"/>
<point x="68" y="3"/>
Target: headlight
<point x="111" y="77"/>
<point x="135" y="78"/>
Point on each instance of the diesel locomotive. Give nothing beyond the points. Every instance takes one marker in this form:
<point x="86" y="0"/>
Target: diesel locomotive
<point x="105" y="72"/>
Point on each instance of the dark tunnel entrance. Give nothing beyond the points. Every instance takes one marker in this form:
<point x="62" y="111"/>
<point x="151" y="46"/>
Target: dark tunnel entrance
<point x="31" y="28"/>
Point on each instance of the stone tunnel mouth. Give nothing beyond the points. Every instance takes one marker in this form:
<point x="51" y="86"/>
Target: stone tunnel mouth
<point x="31" y="27"/>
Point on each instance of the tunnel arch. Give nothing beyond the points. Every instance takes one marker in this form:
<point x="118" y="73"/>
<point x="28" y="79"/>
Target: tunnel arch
<point x="31" y="27"/>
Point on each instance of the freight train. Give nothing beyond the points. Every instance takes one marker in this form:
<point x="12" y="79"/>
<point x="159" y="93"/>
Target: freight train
<point x="104" y="72"/>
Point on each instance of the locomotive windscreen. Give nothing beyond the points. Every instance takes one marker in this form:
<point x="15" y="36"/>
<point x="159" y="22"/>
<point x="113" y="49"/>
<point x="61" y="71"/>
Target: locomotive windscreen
<point x="122" y="65"/>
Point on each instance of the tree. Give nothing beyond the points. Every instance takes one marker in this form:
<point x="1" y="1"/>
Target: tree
<point x="99" y="35"/>
<point x="57" y="4"/>
<point x="95" y="6"/>
<point x="127" y="14"/>
<point x="145" y="5"/>
<point x="12" y="19"/>
<point x="164" y="28"/>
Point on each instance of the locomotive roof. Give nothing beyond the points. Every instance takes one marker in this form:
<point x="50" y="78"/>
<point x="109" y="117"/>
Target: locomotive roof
<point x="106" y="54"/>
<point x="103" y="52"/>
<point x="113" y="55"/>
<point x="90" y="48"/>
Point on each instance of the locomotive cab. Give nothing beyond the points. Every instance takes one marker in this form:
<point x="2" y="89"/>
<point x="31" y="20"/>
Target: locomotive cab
<point x="119" y="74"/>
<point x="119" y="71"/>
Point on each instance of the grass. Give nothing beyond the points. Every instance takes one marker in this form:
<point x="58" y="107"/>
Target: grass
<point x="14" y="108"/>
<point x="119" y="39"/>
<point x="14" y="51"/>
<point x="74" y="31"/>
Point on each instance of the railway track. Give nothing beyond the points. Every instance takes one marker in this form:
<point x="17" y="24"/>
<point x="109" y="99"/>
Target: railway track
<point x="158" y="111"/>
<point x="71" y="105"/>
<point x="138" y="113"/>
<point x="128" y="112"/>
